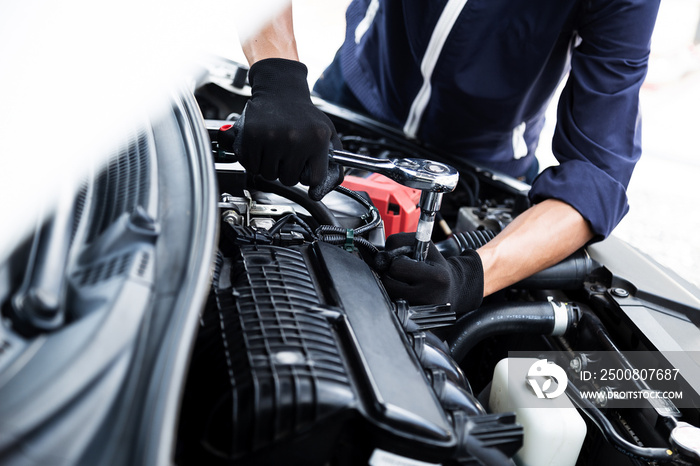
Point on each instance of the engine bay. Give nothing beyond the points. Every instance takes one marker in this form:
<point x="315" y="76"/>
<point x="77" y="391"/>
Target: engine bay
<point x="173" y="309"/>
<point x="303" y="358"/>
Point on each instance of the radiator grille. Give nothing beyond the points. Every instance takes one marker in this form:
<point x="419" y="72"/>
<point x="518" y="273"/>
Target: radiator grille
<point x="122" y="185"/>
<point x="103" y="270"/>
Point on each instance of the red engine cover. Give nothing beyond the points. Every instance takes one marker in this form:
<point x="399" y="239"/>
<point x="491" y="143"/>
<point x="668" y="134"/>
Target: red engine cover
<point x="397" y="204"/>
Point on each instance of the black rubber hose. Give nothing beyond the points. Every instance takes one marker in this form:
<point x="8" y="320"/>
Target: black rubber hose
<point x="462" y="240"/>
<point x="510" y="318"/>
<point x="568" y="274"/>
<point x="284" y="220"/>
<point x="318" y="210"/>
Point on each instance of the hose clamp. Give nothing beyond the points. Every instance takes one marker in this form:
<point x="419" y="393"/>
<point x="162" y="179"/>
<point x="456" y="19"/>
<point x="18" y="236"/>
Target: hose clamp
<point x="561" y="317"/>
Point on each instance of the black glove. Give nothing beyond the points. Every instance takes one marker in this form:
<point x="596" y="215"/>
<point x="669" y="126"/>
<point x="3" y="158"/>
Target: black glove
<point x="458" y="280"/>
<point x="284" y="135"/>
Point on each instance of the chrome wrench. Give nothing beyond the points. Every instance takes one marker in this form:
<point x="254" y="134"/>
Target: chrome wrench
<point x="433" y="179"/>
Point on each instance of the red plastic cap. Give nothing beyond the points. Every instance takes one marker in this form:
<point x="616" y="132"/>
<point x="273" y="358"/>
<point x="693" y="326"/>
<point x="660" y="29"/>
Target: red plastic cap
<point x="397" y="204"/>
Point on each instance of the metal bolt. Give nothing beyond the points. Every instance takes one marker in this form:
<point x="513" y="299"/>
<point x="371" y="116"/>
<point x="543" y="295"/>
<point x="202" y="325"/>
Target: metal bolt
<point x="620" y="292"/>
<point x="575" y="364"/>
<point x="232" y="218"/>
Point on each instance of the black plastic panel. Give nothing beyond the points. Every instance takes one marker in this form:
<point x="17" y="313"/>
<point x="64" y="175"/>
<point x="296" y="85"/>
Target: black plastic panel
<point x="285" y="364"/>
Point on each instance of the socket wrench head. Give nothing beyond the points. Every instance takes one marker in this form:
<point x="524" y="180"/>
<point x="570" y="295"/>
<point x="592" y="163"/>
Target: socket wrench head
<point x="421" y="174"/>
<point x="425" y="175"/>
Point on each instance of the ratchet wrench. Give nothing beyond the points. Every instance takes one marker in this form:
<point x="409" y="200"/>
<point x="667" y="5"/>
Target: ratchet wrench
<point x="433" y="179"/>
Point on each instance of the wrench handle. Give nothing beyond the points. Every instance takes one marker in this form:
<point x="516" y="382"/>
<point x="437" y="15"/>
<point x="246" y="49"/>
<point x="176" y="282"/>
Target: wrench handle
<point x="361" y="162"/>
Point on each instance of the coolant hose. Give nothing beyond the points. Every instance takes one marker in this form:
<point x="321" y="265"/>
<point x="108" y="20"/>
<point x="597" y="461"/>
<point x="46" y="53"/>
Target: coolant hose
<point x="541" y="317"/>
<point x="568" y="274"/>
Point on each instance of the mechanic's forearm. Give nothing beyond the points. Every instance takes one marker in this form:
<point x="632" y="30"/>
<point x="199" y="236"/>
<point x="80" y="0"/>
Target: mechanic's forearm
<point x="540" y="237"/>
<point x="275" y="40"/>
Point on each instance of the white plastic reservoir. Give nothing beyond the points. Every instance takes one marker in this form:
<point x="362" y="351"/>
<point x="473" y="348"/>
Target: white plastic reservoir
<point x="553" y="429"/>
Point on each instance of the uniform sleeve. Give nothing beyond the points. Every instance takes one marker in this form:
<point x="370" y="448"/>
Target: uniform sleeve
<point x="597" y="139"/>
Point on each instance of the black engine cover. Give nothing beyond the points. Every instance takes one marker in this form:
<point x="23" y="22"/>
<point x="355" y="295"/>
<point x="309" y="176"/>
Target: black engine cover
<point x="300" y="354"/>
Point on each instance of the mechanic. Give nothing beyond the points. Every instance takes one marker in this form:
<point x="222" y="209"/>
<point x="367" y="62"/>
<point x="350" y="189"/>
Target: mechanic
<point x="472" y="78"/>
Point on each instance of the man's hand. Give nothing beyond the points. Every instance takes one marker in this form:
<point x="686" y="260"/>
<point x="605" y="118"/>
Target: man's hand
<point x="284" y="135"/>
<point x="457" y="280"/>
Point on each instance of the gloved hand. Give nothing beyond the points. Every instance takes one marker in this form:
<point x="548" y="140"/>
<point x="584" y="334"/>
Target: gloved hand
<point x="284" y="135"/>
<point x="458" y="280"/>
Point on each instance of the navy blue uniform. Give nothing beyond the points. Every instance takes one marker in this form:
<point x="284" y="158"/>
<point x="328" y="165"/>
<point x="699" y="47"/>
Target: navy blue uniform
<point x="474" y="77"/>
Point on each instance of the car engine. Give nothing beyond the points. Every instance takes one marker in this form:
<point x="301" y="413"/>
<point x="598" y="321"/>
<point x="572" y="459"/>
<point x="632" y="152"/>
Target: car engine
<point x="303" y="358"/>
